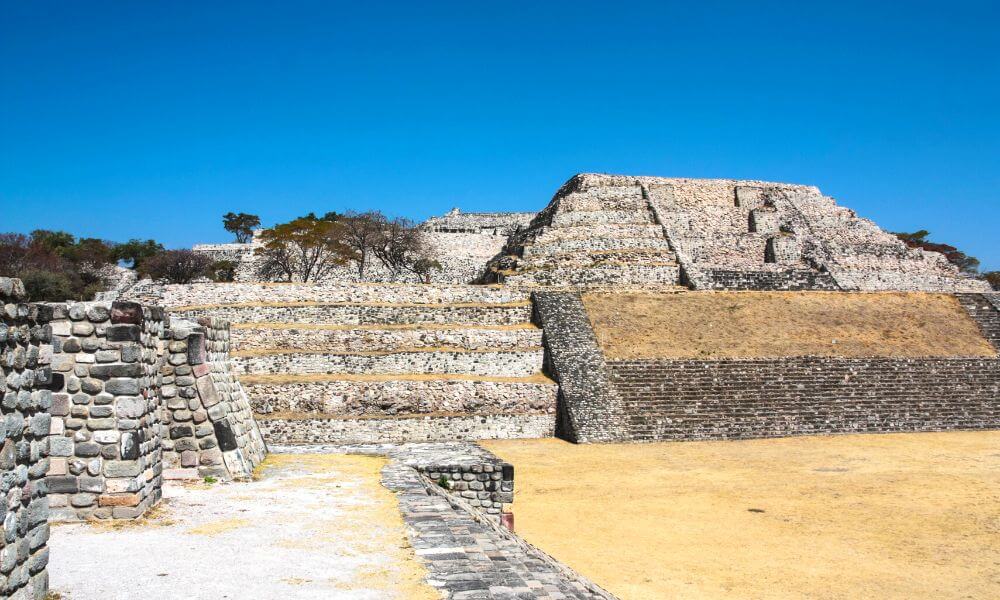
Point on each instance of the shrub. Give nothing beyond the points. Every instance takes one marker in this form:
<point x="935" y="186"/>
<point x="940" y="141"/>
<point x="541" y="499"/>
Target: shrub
<point x="176" y="266"/>
<point x="49" y="286"/>
<point x="222" y="271"/>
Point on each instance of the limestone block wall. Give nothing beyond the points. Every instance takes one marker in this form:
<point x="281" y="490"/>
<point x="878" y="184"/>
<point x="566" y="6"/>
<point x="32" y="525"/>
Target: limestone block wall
<point x="366" y="314"/>
<point x="360" y="339"/>
<point x="200" y="294"/>
<point x="503" y="363"/>
<point x="735" y="399"/>
<point x="24" y="430"/>
<point x="436" y="428"/>
<point x="209" y="427"/>
<point x="381" y="396"/>
<point x="590" y="408"/>
<point x="105" y="445"/>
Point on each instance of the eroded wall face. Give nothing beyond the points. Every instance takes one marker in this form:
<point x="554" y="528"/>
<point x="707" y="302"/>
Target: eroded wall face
<point x="24" y="430"/>
<point x="209" y="428"/>
<point x="105" y="445"/>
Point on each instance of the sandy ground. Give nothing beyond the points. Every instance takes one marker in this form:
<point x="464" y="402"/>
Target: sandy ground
<point x="705" y="325"/>
<point x="312" y="526"/>
<point x="912" y="515"/>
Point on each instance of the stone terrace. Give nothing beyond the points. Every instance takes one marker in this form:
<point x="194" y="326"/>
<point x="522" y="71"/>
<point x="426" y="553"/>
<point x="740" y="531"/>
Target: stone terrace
<point x="365" y="363"/>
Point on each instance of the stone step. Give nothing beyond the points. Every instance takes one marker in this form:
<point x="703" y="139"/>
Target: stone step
<point x="394" y="394"/>
<point x="596" y="244"/>
<point x="364" y="314"/>
<point x="601" y="217"/>
<point x="589" y="232"/>
<point x="499" y="363"/>
<point x="592" y="258"/>
<point x="618" y="274"/>
<point x="197" y="294"/>
<point x="409" y="428"/>
<point x="295" y="336"/>
<point x="627" y="201"/>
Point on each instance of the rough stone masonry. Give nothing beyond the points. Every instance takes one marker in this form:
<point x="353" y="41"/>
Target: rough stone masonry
<point x="24" y="430"/>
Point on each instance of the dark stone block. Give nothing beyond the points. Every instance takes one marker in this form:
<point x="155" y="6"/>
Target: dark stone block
<point x="224" y="434"/>
<point x="181" y="431"/>
<point x="88" y="449"/>
<point x="57" y="381"/>
<point x="62" y="484"/>
<point x="129" y="446"/>
<point x="507" y="472"/>
<point x="196" y="348"/>
<point x="124" y="333"/>
<point x="116" y="370"/>
<point x="126" y="312"/>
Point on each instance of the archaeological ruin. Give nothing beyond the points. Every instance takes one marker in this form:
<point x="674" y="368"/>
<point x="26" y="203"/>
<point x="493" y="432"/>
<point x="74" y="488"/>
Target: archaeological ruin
<point x="108" y="401"/>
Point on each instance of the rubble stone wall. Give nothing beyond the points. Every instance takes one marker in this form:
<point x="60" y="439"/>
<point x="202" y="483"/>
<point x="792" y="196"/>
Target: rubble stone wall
<point x="209" y="427"/>
<point x="589" y="406"/>
<point x="367" y="314"/>
<point x="735" y="399"/>
<point x="24" y="429"/>
<point x="443" y="428"/>
<point x="105" y="448"/>
<point x="487" y="363"/>
<point x="403" y="396"/>
<point x="302" y="337"/>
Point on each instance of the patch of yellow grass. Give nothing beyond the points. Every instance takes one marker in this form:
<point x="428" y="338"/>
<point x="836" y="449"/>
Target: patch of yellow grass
<point x="375" y="525"/>
<point x="221" y="526"/>
<point x="781" y="324"/>
<point x="911" y="515"/>
<point x="539" y="378"/>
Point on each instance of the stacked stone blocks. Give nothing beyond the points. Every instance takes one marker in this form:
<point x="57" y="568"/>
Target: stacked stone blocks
<point x="24" y="402"/>
<point x="208" y="423"/>
<point x="105" y="445"/>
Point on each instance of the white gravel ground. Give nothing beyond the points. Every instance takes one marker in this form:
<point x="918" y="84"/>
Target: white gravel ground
<point x="297" y="533"/>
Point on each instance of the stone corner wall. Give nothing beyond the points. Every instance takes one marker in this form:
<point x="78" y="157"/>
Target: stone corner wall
<point x="24" y="430"/>
<point x="590" y="409"/>
<point x="209" y="427"/>
<point x="105" y="443"/>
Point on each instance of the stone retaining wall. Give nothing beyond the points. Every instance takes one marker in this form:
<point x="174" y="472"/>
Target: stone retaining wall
<point x="734" y="399"/>
<point x="985" y="311"/>
<point x="352" y="314"/>
<point x="105" y="448"/>
<point x="374" y="339"/>
<point x="175" y="295"/>
<point x="24" y="429"/>
<point x="503" y="363"/>
<point x="209" y="427"/>
<point x="416" y="429"/>
<point x="590" y="408"/>
<point x="403" y="396"/>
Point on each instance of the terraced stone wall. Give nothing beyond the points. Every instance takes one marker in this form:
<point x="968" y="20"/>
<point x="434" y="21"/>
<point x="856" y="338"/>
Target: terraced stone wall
<point x="24" y="429"/>
<point x="105" y="448"/>
<point x="436" y="428"/>
<point x="365" y="314"/>
<point x="488" y="363"/>
<point x="735" y="399"/>
<point x="209" y="426"/>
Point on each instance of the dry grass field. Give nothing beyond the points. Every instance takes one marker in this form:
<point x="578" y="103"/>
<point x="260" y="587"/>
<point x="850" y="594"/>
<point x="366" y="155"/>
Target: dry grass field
<point x="706" y="325"/>
<point x="912" y="515"/>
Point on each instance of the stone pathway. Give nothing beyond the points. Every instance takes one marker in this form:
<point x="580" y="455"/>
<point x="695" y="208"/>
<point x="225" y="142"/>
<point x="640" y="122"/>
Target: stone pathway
<point x="313" y="527"/>
<point x="469" y="557"/>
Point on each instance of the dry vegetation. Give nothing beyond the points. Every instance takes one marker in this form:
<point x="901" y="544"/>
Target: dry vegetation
<point x="863" y="516"/>
<point x="708" y="325"/>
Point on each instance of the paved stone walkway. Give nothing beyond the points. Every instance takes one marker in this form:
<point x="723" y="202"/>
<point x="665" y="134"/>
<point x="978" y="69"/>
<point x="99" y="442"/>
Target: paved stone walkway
<point x="469" y="557"/>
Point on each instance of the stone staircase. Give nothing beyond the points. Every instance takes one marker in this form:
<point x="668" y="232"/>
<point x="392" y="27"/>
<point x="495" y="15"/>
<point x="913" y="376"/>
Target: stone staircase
<point x="985" y="311"/>
<point x="590" y="237"/>
<point x="397" y="363"/>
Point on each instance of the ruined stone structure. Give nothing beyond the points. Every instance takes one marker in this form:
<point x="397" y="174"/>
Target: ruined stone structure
<point x="661" y="399"/>
<point x="24" y="429"/>
<point x="209" y="428"/>
<point x="460" y="242"/>
<point x="369" y="363"/>
<point x="713" y="234"/>
<point x="105" y="446"/>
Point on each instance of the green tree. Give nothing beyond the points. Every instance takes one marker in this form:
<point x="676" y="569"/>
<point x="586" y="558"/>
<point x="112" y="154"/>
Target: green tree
<point x="305" y="249"/>
<point x="241" y="225"/>
<point x="134" y="251"/>
<point x="222" y="271"/>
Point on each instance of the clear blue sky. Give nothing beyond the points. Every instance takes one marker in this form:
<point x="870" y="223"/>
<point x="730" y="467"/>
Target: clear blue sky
<point x="152" y="119"/>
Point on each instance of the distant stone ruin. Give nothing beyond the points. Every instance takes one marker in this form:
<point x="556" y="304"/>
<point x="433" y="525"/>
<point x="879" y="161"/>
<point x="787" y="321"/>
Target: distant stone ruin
<point x="713" y="234"/>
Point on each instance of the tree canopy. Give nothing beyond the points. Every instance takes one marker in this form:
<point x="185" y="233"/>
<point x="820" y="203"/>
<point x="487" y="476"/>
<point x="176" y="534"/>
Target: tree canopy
<point x="919" y="239"/>
<point x="241" y="225"/>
